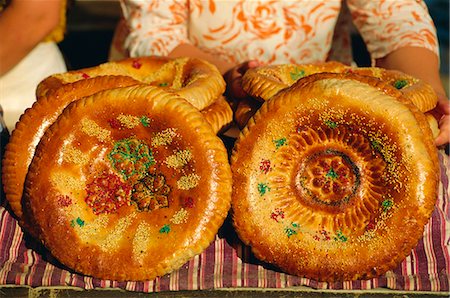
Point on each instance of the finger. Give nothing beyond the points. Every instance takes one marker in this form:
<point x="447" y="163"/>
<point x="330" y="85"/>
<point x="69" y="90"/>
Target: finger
<point x="236" y="86"/>
<point x="444" y="134"/>
<point x="243" y="67"/>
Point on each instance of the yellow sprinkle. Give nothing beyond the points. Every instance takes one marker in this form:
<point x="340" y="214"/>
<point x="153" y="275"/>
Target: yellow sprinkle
<point x="128" y="121"/>
<point x="141" y="241"/>
<point x="188" y="182"/>
<point x="179" y="159"/>
<point x="180" y="216"/>
<point x="76" y="156"/>
<point x="92" y="129"/>
<point x="164" y="137"/>
<point x="111" y="242"/>
<point x="90" y="230"/>
<point x="66" y="183"/>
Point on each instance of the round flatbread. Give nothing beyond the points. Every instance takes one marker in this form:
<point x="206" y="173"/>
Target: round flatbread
<point x="196" y="80"/>
<point x="128" y="184"/>
<point x="334" y="178"/>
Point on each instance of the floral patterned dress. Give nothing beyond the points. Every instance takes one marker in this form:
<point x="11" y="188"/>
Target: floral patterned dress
<point x="301" y="31"/>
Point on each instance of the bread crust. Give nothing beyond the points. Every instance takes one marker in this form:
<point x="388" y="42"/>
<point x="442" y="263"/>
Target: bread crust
<point x="264" y="82"/>
<point x="196" y="80"/>
<point x="334" y="178"/>
<point x="128" y="184"/>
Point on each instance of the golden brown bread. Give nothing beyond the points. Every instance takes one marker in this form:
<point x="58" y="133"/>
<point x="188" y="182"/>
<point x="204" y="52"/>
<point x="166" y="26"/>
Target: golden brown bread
<point x="196" y="80"/>
<point x="218" y="114"/>
<point x="265" y="81"/>
<point x="334" y="178"/>
<point x="134" y="179"/>
<point x="32" y="125"/>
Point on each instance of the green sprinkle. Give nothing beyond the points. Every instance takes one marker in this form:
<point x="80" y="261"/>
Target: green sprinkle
<point x="340" y="236"/>
<point x="280" y="142"/>
<point x="165" y="84"/>
<point x="165" y="229"/>
<point x="77" y="221"/>
<point x="292" y="230"/>
<point x="376" y="145"/>
<point x="297" y="74"/>
<point x="387" y="204"/>
<point x="295" y="225"/>
<point x="332" y="174"/>
<point x="331" y="124"/>
<point x="263" y="188"/>
<point x="289" y="232"/>
<point x="145" y="121"/>
<point x="399" y="84"/>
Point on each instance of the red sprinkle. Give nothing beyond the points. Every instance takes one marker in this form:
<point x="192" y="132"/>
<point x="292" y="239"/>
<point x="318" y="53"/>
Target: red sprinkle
<point x="64" y="201"/>
<point x="136" y="64"/>
<point x="188" y="202"/>
<point x="114" y="123"/>
<point x="107" y="193"/>
<point x="264" y="166"/>
<point x="85" y="75"/>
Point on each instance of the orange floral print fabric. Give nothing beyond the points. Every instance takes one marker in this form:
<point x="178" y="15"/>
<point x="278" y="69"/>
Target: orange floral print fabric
<point x="272" y="31"/>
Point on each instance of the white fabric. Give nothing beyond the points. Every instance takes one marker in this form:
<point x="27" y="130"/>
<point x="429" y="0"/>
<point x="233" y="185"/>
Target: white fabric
<point x="18" y="86"/>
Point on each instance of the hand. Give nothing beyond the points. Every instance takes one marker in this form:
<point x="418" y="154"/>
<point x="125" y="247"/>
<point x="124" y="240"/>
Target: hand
<point x="233" y="78"/>
<point x="442" y="114"/>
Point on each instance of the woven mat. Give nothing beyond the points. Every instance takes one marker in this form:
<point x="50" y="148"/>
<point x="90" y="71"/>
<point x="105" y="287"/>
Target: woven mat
<point x="226" y="263"/>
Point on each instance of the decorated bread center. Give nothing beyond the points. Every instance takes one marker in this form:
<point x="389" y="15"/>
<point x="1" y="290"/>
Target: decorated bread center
<point x="334" y="177"/>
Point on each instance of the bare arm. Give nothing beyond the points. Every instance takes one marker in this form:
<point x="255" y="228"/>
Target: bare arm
<point x="23" y="24"/>
<point x="423" y="64"/>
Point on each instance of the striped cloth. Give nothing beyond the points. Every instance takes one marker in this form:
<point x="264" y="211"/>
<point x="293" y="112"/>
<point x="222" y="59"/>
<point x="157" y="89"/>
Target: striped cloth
<point x="226" y="263"/>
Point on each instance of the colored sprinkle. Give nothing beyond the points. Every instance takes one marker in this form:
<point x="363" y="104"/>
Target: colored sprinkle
<point x="297" y="74"/>
<point x="264" y="166"/>
<point x="371" y="225"/>
<point x="165" y="229"/>
<point x="63" y="180"/>
<point x="330" y="124"/>
<point x="164" y="137"/>
<point x="322" y="235"/>
<point x="131" y="157"/>
<point x="78" y="221"/>
<point x="188" y="182"/>
<point x="332" y="174"/>
<point x="180" y="216"/>
<point x="85" y="76"/>
<point x="141" y="241"/>
<point x="129" y="121"/>
<point x="64" y="201"/>
<point x="179" y="159"/>
<point x="114" y="123"/>
<point x="278" y="213"/>
<point x="92" y="129"/>
<point x="399" y="84"/>
<point x="387" y="204"/>
<point x="107" y="193"/>
<point x="136" y="64"/>
<point x="74" y="155"/>
<point x="376" y="145"/>
<point x="280" y="142"/>
<point x="188" y="202"/>
<point x="292" y="230"/>
<point x="263" y="188"/>
<point x="165" y="84"/>
<point x="145" y="121"/>
<point x="340" y="236"/>
<point x="113" y="238"/>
